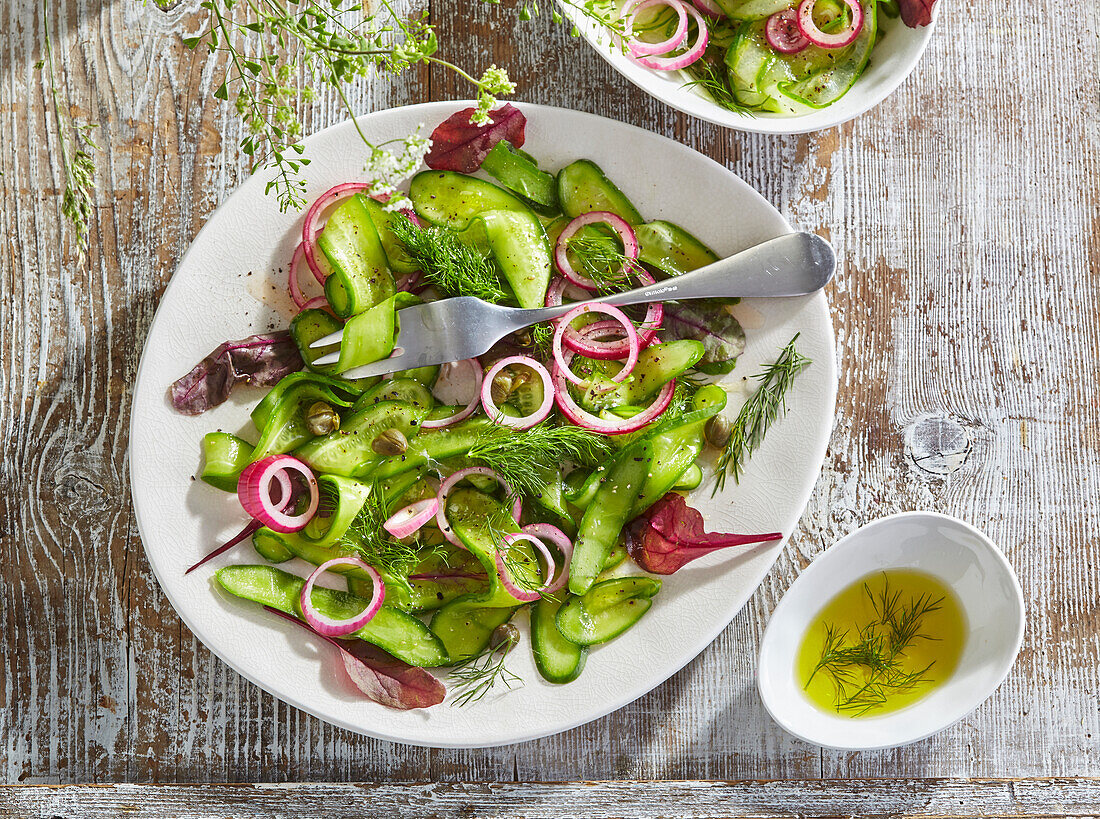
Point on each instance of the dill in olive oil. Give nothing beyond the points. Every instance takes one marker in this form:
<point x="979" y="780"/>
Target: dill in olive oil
<point x="883" y="643"/>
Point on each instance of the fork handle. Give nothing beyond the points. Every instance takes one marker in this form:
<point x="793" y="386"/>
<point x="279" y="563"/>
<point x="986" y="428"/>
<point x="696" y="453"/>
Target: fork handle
<point x="796" y="264"/>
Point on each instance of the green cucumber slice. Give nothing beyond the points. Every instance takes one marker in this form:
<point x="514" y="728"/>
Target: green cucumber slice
<point x="657" y="365"/>
<point x="520" y="174"/>
<point x="583" y="188"/>
<point x="557" y="659"/>
<point x="360" y="277"/>
<point x="606" y="610"/>
<point x="347" y="451"/>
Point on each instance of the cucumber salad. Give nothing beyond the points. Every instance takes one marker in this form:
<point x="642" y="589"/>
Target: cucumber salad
<point x="782" y="57"/>
<point x="431" y="507"/>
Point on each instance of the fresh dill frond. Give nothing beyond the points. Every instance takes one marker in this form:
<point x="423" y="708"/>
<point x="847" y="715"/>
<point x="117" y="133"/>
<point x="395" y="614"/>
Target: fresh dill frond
<point x="760" y="411"/>
<point x="527" y="459"/>
<point x="601" y="259"/>
<point x="710" y="78"/>
<point x="542" y="339"/>
<point x="867" y="670"/>
<point x="476" y="676"/>
<point x="455" y="268"/>
<point x="374" y="544"/>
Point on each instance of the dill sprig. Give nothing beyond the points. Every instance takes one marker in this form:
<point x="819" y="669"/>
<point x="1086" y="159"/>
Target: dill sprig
<point x="455" y="268"/>
<point x="270" y="45"/>
<point x="527" y="459"/>
<point x="709" y="77"/>
<point x="760" y="411"/>
<point x="77" y="166"/>
<point x="602" y="260"/>
<point x="374" y="544"/>
<point x="476" y="676"/>
<point x="866" y="671"/>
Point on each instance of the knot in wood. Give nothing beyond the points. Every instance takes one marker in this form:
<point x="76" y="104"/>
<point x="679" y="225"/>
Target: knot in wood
<point x="937" y="444"/>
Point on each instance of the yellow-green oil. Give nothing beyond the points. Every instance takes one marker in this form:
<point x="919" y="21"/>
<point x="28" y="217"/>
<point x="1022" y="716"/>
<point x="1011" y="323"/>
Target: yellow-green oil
<point x="857" y="611"/>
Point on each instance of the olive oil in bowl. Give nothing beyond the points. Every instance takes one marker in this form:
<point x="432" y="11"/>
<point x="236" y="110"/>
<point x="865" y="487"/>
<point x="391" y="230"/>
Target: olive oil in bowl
<point x="881" y="644"/>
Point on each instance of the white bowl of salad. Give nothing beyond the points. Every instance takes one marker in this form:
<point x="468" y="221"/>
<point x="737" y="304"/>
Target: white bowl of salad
<point x="766" y="66"/>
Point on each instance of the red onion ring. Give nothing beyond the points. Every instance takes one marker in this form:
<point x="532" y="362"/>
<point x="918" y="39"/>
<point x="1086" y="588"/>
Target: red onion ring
<point x="561" y="287"/>
<point x="322" y="623"/>
<point x="580" y="342"/>
<point x="709" y="8"/>
<point x="295" y="289"/>
<point x="783" y="34"/>
<point x="679" y="61"/>
<point x="562" y="541"/>
<point x="408" y="520"/>
<point x="526" y="421"/>
<point x="523" y="595"/>
<point x="254" y="492"/>
<point x="449" y="484"/>
<point x="312" y="229"/>
<point x="640" y="48"/>
<point x="582" y="418"/>
<point x="619" y="225"/>
<point x="818" y="37"/>
<point x="615" y="313"/>
<point x="475" y="366"/>
<point x="316" y="301"/>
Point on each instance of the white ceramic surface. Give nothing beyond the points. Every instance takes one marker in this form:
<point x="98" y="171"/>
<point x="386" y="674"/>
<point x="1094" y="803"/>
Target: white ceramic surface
<point x="959" y="555"/>
<point x="893" y="60"/>
<point x="227" y="287"/>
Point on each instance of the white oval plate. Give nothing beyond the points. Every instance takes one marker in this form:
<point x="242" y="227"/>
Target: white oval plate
<point x="893" y="60"/>
<point x="227" y="287"/>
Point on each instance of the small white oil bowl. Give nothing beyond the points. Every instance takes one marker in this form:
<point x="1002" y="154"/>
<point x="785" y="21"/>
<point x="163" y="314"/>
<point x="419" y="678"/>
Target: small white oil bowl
<point x="964" y="560"/>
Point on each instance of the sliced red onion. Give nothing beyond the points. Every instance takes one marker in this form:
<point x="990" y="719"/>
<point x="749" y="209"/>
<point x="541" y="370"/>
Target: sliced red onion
<point x="617" y="223"/>
<point x="678" y="61"/>
<point x="525" y="421"/>
<point x="615" y="313"/>
<point x="447" y="382"/>
<point x="709" y="8"/>
<point x="449" y="484"/>
<point x="559" y="288"/>
<point x="295" y="289"/>
<point x="583" y="418"/>
<point x="523" y="595"/>
<point x="316" y="301"/>
<point x="783" y="34"/>
<point x="328" y="626"/>
<point x="410" y="519"/>
<point x="549" y="531"/>
<point x="585" y="340"/>
<point x="408" y="281"/>
<point x="837" y="39"/>
<point x="312" y="227"/>
<point x="640" y="48"/>
<point x="254" y="492"/>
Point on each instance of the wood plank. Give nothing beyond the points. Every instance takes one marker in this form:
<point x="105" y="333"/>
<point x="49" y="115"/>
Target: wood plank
<point x="591" y="800"/>
<point x="968" y="218"/>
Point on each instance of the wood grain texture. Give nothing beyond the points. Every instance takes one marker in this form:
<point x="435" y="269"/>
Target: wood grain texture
<point x="583" y="800"/>
<point x="966" y="210"/>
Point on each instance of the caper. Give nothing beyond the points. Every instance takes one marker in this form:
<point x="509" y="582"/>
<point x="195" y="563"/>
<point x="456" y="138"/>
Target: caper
<point x="506" y="382"/>
<point x="321" y="419"/>
<point x="390" y="442"/>
<point x="717" y="431"/>
<point x="504" y="638"/>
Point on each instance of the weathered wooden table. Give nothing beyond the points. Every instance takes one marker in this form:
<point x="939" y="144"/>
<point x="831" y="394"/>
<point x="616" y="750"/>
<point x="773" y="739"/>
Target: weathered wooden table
<point x="966" y="210"/>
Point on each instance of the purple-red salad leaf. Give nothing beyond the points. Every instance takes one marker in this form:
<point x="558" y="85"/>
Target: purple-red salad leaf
<point x="261" y="360"/>
<point x="670" y="535"/>
<point x="458" y="145"/>
<point x="381" y="676"/>
<point x="916" y="13"/>
<point x="709" y="322"/>
<point x="245" y="533"/>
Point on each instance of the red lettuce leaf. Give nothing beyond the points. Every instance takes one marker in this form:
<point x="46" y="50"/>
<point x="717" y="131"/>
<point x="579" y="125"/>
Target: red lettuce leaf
<point x="916" y="13"/>
<point x="381" y="676"/>
<point x="709" y="322"/>
<point x="671" y="535"/>
<point x="262" y="360"/>
<point x="459" y="146"/>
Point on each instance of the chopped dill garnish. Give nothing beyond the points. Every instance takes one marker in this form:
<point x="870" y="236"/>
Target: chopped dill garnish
<point x="476" y="676"/>
<point x="866" y="671"/>
<point x="763" y="407"/>
<point x="366" y="537"/>
<point x="706" y="76"/>
<point x="527" y="459"/>
<point x="455" y="268"/>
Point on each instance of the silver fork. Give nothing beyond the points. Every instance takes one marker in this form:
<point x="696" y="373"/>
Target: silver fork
<point x="463" y="327"/>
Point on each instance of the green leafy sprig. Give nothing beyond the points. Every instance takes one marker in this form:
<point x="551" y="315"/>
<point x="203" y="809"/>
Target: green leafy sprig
<point x="77" y="164"/>
<point x="452" y="266"/>
<point x="757" y="415"/>
<point x="269" y="44"/>
<point x="476" y="676"/>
